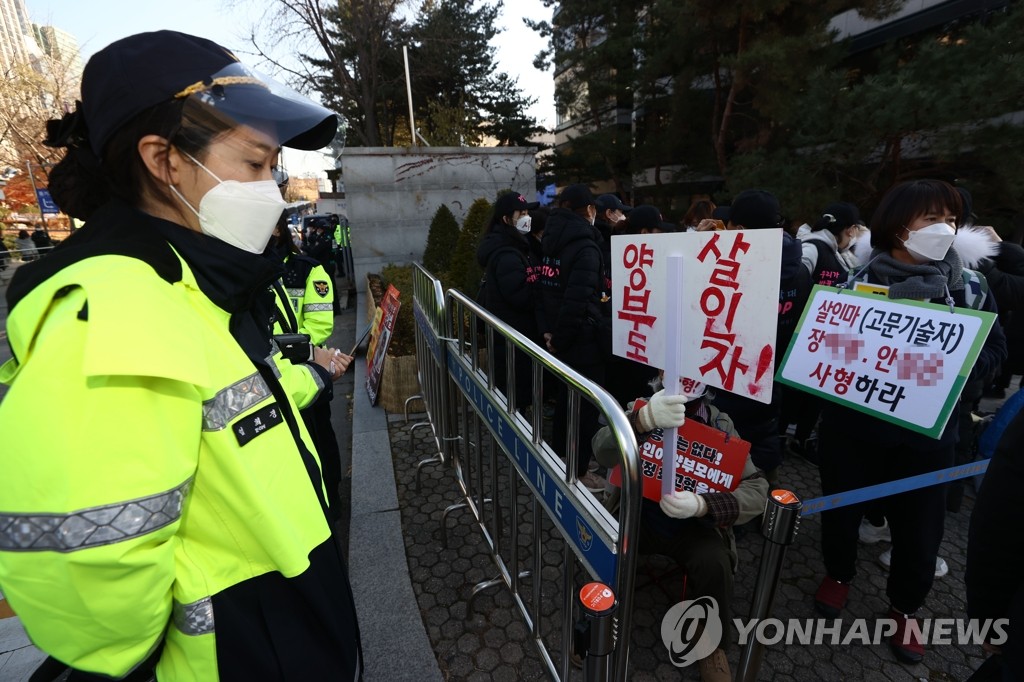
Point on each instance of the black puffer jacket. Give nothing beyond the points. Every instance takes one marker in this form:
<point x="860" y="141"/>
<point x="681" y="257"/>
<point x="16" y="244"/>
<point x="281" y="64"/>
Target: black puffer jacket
<point x="510" y="291"/>
<point x="571" y="286"/>
<point x="758" y="421"/>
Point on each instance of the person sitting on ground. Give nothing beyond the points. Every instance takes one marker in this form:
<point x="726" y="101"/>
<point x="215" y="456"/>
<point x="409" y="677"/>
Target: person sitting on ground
<point x="694" y="530"/>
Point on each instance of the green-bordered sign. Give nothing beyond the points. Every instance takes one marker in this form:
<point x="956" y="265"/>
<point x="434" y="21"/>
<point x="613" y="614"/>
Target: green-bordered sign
<point x="902" y="361"/>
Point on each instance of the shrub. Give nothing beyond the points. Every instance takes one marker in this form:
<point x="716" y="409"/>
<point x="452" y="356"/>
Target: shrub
<point x="441" y="241"/>
<point x="403" y="339"/>
<point x="464" y="273"/>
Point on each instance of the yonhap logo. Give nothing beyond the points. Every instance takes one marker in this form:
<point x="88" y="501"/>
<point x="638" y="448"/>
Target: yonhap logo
<point x="691" y="630"/>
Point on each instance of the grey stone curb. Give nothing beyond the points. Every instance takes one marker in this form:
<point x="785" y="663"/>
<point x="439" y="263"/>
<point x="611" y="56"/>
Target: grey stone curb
<point x="395" y="643"/>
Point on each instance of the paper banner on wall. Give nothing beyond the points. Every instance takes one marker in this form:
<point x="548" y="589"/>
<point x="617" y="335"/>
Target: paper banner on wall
<point x="902" y="361"/>
<point x="730" y="302"/>
<point x="380" y="338"/>
<point x="707" y="461"/>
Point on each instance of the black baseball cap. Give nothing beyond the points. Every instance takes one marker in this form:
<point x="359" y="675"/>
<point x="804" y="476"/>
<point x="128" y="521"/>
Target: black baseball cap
<point x="575" y="196"/>
<point x="141" y="71"/>
<point x="610" y="202"/>
<point x="510" y="202"/>
<point x="647" y="217"/>
<point x="755" y="209"/>
<point x="843" y="215"/>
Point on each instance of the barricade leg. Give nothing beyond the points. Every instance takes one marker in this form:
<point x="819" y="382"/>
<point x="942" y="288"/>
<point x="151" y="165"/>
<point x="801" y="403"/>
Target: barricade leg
<point x="781" y="520"/>
<point x="405" y="405"/>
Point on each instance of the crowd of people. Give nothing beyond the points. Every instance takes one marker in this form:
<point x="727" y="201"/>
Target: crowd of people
<point x="548" y="274"/>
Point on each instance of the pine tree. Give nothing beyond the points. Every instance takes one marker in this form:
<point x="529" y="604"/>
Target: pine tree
<point x="441" y="240"/>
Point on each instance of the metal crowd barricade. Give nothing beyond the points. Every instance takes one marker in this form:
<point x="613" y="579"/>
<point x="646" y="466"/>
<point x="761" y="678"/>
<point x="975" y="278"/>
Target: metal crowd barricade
<point x="431" y="363"/>
<point x="498" y="453"/>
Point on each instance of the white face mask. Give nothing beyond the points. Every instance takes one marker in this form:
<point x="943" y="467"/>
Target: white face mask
<point x="242" y="214"/>
<point x="930" y="243"/>
<point x="523" y="224"/>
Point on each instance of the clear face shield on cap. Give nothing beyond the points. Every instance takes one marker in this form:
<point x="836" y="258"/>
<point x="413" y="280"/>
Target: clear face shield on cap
<point x="244" y="118"/>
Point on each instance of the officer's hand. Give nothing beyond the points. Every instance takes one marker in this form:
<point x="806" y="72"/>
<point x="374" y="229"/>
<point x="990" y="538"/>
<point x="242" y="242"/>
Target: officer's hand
<point x="342" y="362"/>
<point x="331" y="359"/>
<point x="683" y="505"/>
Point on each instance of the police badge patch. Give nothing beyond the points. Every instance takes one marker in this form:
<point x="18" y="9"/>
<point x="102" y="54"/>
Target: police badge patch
<point x="322" y="288"/>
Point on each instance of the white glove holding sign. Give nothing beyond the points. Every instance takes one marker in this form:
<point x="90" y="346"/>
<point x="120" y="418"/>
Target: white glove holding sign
<point x="662" y="411"/>
<point x="683" y="505"/>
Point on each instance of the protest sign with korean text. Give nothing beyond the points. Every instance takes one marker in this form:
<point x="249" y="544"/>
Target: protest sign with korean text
<point x="901" y="361"/>
<point x="380" y="338"/>
<point x="730" y="300"/>
<point x="707" y="460"/>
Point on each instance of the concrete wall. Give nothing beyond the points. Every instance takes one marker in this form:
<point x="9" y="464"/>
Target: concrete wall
<point x="392" y="193"/>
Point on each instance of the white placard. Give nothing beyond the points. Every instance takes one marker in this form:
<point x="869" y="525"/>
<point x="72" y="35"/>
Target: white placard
<point x="902" y="361"/>
<point x="730" y="297"/>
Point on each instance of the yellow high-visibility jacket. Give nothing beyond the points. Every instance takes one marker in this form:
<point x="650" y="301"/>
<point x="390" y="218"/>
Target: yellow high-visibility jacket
<point x="158" y="487"/>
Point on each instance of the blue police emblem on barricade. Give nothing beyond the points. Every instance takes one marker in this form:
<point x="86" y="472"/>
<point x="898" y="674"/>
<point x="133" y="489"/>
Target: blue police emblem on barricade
<point x="584" y="534"/>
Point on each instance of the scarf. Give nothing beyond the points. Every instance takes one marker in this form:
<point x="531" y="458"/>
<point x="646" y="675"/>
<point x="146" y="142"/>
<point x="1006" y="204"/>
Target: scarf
<point x="918" y="280"/>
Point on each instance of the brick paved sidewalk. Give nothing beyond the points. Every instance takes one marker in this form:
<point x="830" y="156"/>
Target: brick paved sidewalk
<point x="493" y="643"/>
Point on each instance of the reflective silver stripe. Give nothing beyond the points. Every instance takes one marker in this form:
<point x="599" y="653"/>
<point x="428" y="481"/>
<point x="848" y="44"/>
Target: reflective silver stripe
<point x="195" y="618"/>
<point x="273" y="365"/>
<point x="230" y="402"/>
<point x="316" y="379"/>
<point x="297" y="293"/>
<point x="91" y="527"/>
<point x="317" y="307"/>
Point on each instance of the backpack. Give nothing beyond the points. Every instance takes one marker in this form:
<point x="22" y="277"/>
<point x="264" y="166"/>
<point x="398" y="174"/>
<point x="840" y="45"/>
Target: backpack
<point x="975" y="289"/>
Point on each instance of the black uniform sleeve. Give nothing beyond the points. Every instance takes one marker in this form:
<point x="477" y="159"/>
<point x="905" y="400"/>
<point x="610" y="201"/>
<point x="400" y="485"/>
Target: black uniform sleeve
<point x="581" y="285"/>
<point x="510" y="279"/>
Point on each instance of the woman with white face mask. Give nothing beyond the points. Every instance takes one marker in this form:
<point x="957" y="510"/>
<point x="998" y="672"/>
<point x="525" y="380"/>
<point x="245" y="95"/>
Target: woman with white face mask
<point x="194" y="539"/>
<point x="509" y="285"/>
<point x="912" y="233"/>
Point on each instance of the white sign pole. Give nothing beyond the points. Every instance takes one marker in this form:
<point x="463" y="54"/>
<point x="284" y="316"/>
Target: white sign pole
<point x="673" y="334"/>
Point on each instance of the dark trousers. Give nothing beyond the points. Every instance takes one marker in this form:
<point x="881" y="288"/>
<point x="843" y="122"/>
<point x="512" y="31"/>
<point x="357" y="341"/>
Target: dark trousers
<point x="588" y="421"/>
<point x="704" y="555"/>
<point x="916" y="518"/>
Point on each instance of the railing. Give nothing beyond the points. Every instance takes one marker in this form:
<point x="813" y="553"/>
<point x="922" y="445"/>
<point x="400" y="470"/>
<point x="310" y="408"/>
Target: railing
<point x="494" y="441"/>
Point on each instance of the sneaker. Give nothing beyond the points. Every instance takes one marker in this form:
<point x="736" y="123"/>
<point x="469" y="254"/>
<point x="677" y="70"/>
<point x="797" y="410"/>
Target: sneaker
<point x="906" y="643"/>
<point x="830" y="598"/>
<point x="941" y="567"/>
<point x="592" y="482"/>
<point x="870" y="533"/>
<point x="715" y="667"/>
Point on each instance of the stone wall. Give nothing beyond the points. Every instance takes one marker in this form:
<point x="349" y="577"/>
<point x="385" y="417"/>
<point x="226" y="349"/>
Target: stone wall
<point x="391" y="194"/>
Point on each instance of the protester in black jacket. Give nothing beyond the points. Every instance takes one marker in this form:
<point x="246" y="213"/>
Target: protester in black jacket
<point x="509" y="288"/>
<point x="576" y="331"/>
<point x="758" y="422"/>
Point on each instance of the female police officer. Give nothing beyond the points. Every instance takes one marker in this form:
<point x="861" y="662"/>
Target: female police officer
<point x="174" y="516"/>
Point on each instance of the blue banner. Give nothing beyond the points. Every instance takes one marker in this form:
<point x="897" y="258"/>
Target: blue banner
<point x="46" y="202"/>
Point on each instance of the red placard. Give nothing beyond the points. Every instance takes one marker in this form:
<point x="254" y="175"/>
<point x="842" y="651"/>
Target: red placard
<point x="379" y="340"/>
<point x="707" y="460"/>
